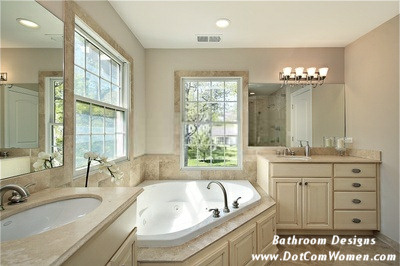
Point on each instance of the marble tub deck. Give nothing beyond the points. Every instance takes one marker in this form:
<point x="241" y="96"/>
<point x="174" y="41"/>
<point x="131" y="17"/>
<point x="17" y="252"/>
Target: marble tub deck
<point x="379" y="248"/>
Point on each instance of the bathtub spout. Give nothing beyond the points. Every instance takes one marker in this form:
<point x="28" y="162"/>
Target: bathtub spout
<point x="226" y="209"/>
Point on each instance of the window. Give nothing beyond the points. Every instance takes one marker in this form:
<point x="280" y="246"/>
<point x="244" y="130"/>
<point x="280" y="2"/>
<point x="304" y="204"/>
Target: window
<point x="211" y="128"/>
<point x="101" y="99"/>
<point x="55" y="114"/>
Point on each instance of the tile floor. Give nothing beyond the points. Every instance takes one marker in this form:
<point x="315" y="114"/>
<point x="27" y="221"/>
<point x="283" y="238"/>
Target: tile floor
<point x="379" y="248"/>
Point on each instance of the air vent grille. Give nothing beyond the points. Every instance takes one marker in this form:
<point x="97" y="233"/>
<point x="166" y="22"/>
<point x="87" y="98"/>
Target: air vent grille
<point x="209" y="38"/>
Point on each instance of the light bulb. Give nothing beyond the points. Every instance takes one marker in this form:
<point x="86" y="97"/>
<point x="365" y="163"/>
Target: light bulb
<point x="311" y="71"/>
<point x="299" y="71"/>
<point x="323" y="71"/>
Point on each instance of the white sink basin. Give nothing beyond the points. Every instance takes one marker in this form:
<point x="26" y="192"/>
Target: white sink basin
<point x="46" y="217"/>
<point x="290" y="157"/>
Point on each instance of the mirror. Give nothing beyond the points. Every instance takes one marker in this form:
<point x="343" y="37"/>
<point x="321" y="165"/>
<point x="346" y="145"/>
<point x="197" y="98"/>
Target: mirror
<point x="31" y="90"/>
<point x="284" y="116"/>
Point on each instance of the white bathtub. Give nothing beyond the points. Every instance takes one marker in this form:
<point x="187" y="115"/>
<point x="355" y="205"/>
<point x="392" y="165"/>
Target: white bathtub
<point x="170" y="213"/>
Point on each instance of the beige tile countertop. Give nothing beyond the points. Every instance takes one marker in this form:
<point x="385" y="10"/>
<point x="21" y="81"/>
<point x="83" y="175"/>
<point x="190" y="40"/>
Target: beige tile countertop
<point x="317" y="159"/>
<point x="55" y="246"/>
<point x="188" y="249"/>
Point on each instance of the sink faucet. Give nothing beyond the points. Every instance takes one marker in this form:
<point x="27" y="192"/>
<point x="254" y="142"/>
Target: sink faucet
<point x="226" y="209"/>
<point x="288" y="151"/>
<point x="22" y="191"/>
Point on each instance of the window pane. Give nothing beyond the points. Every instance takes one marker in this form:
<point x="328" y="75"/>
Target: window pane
<point x="82" y="118"/>
<point x="190" y="130"/>
<point x="190" y="156"/>
<point x="115" y="73"/>
<point x="58" y="111"/>
<point x="231" y="112"/>
<point x="217" y="130"/>
<point x="120" y="145"/>
<point x="92" y="58"/>
<point x="79" y="81"/>
<point x="217" y="110"/>
<point x="57" y="139"/>
<point x="58" y="90"/>
<point x="204" y="89"/>
<point x="231" y="91"/>
<point x="231" y="156"/>
<point x="115" y="96"/>
<point x="97" y="144"/>
<point x="190" y="91"/>
<point x="81" y="146"/>
<point x="190" y="112"/>
<point x="204" y="113"/>
<point x="92" y="86"/>
<point x="120" y="122"/>
<point x="218" y="90"/>
<point x="231" y="129"/>
<point x="105" y="91"/>
<point x="105" y="66"/>
<point x="110" y="121"/>
<point x="79" y="50"/>
<point x="218" y="155"/>
<point x="97" y="113"/>
<point x="109" y="146"/>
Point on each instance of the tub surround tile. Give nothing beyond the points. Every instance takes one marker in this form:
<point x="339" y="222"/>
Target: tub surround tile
<point x="184" y="251"/>
<point x="65" y="240"/>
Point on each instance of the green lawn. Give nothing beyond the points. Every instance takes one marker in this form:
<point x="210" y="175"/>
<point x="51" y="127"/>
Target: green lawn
<point x="217" y="158"/>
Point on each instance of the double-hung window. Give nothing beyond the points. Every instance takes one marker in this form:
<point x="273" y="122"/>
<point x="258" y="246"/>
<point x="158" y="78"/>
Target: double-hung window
<point x="211" y="113"/>
<point x="101" y="99"/>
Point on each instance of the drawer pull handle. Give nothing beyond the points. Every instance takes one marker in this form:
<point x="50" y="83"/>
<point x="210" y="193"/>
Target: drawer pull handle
<point x="356" y="170"/>
<point x="356" y="201"/>
<point x="356" y="221"/>
<point x="356" y="185"/>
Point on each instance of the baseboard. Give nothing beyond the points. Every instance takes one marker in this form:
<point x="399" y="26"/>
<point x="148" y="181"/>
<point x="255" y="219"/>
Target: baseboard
<point x="394" y="244"/>
<point x="324" y="232"/>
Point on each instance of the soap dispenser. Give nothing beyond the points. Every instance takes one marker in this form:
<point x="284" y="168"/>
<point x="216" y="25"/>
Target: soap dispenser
<point x="307" y="149"/>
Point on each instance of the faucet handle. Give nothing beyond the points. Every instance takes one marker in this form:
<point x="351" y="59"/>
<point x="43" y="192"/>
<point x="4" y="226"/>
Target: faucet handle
<point x="16" y="198"/>
<point x="215" y="212"/>
<point x="235" y="204"/>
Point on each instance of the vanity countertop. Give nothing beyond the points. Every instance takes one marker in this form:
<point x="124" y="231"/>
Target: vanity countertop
<point x="55" y="246"/>
<point x="318" y="159"/>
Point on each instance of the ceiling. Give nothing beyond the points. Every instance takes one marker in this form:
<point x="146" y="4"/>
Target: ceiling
<point x="254" y="24"/>
<point x="14" y="35"/>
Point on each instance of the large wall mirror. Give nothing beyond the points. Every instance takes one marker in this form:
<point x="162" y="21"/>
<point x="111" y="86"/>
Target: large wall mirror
<point x="284" y="116"/>
<point x="31" y="91"/>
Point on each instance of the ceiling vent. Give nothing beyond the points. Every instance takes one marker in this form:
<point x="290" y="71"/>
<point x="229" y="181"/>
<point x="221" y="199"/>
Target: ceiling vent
<point x="209" y="38"/>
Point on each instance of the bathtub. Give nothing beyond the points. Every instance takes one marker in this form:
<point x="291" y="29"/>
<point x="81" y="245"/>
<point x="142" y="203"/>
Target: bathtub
<point x="170" y="213"/>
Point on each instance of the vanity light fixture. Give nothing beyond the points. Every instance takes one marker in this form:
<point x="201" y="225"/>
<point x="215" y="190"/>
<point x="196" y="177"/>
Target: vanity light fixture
<point x="28" y="23"/>
<point x="3" y="76"/>
<point x="222" y="23"/>
<point x="299" y="77"/>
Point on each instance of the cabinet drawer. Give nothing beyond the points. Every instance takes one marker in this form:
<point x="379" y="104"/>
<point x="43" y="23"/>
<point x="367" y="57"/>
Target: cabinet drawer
<point x="301" y="170"/>
<point x="355" y="184"/>
<point x="362" y="220"/>
<point x="355" y="200"/>
<point x="354" y="170"/>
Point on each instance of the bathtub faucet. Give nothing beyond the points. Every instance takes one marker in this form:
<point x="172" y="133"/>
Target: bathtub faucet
<point x="226" y="209"/>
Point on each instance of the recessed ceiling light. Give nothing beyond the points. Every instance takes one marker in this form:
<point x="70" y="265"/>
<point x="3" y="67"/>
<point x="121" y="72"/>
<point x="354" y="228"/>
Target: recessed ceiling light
<point x="222" y="22"/>
<point x="252" y="93"/>
<point x="28" y="23"/>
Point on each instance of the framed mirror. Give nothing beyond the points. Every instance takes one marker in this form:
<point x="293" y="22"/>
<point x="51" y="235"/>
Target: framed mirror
<point x="284" y="116"/>
<point x="31" y="90"/>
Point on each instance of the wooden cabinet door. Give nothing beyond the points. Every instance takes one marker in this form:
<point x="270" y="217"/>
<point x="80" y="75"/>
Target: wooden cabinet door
<point x="219" y="257"/>
<point x="287" y="194"/>
<point x="243" y="246"/>
<point x="265" y="234"/>
<point x="317" y="203"/>
<point x="126" y="254"/>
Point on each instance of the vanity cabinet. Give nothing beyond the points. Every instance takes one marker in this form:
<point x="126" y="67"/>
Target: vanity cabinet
<point x="303" y="203"/>
<point x="126" y="254"/>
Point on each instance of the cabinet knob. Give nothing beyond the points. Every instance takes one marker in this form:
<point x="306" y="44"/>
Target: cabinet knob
<point x="356" y="201"/>
<point x="306" y="183"/>
<point x="356" y="221"/>
<point x="356" y="185"/>
<point x="356" y="170"/>
<point x="300" y="183"/>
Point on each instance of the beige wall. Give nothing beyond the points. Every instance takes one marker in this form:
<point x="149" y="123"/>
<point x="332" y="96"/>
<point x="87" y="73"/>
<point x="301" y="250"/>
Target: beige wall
<point x="263" y="66"/>
<point x="23" y="64"/>
<point x="372" y="95"/>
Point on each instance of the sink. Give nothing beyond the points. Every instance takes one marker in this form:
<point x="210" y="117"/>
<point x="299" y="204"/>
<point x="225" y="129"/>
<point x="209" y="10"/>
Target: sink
<point x="290" y="157"/>
<point x="46" y="217"/>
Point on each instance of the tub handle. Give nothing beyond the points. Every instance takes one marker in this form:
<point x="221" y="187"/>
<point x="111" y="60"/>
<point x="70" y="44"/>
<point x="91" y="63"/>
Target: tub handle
<point x="215" y="212"/>
<point x="235" y="204"/>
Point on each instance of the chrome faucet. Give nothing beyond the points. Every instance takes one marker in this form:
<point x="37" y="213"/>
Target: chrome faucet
<point x="226" y="209"/>
<point x="288" y="151"/>
<point x="22" y="191"/>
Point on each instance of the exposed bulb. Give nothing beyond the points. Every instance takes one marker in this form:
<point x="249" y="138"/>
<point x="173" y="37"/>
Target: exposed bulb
<point x="287" y="71"/>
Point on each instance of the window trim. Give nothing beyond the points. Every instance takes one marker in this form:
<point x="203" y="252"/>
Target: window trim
<point x="239" y="123"/>
<point x="125" y="97"/>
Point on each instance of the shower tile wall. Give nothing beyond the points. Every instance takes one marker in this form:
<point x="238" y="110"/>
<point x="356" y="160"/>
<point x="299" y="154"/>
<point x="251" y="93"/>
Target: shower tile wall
<point x="267" y="119"/>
